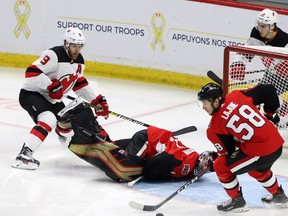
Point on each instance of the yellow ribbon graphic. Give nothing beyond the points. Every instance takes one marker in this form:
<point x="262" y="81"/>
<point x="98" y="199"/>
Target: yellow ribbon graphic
<point x="22" y="18"/>
<point x="158" y="31"/>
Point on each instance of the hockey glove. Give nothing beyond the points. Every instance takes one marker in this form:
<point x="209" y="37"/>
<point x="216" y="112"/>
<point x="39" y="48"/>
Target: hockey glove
<point x="101" y="106"/>
<point x="55" y="89"/>
<point x="160" y="166"/>
<point x="272" y="117"/>
<point x="237" y="70"/>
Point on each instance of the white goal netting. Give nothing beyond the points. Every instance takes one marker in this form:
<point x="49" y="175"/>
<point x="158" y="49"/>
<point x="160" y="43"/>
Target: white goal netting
<point x="248" y="66"/>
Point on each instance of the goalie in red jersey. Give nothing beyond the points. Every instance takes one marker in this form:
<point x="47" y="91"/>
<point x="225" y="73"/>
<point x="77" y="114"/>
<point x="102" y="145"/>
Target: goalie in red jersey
<point x="246" y="141"/>
<point x="153" y="153"/>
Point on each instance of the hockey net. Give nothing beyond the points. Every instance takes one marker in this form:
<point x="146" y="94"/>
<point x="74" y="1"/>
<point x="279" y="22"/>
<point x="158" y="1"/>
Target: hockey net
<point x="262" y="64"/>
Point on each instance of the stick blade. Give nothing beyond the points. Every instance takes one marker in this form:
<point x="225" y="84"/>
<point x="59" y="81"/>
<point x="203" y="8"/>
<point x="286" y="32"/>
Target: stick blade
<point x="185" y="130"/>
<point x="142" y="207"/>
<point x="136" y="205"/>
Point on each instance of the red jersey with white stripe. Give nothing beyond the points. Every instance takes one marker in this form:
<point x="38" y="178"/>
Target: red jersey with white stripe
<point x="55" y="63"/>
<point x="160" y="140"/>
<point x="239" y="119"/>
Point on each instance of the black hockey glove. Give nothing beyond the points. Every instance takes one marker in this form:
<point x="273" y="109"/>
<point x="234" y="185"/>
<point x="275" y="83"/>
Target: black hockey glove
<point x="272" y="117"/>
<point x="160" y="166"/>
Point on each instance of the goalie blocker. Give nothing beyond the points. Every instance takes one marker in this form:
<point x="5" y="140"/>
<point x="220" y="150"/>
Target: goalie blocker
<point x="127" y="159"/>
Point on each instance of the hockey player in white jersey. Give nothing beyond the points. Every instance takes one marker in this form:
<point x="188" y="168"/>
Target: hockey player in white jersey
<point x="56" y="72"/>
<point x="266" y="33"/>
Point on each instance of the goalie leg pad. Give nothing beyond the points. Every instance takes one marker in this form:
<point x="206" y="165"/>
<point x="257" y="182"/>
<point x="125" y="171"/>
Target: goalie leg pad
<point x="114" y="161"/>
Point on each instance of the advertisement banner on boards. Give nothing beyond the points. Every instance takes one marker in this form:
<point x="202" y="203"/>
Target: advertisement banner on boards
<point x="182" y="36"/>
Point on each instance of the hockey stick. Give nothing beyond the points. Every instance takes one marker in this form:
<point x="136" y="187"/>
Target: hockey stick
<point x="185" y="130"/>
<point x="214" y="77"/>
<point x="143" y="207"/>
<point x="113" y="113"/>
<point x="175" y="133"/>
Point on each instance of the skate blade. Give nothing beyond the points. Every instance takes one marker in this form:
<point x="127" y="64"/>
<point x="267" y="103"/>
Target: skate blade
<point x="237" y="210"/>
<point x="275" y="205"/>
<point x="24" y="166"/>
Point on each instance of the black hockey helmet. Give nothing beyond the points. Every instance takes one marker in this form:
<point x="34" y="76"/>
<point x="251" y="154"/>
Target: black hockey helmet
<point x="210" y="92"/>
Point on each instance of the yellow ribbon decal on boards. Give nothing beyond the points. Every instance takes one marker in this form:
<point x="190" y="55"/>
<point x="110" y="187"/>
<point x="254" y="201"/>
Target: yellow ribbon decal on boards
<point x="22" y="18"/>
<point x="158" y="31"/>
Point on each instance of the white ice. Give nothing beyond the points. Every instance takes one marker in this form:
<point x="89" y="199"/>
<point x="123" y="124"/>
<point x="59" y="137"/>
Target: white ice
<point x="66" y="185"/>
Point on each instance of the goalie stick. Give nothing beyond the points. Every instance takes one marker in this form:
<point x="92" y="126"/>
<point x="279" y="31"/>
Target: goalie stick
<point x="175" y="133"/>
<point x="143" y="207"/>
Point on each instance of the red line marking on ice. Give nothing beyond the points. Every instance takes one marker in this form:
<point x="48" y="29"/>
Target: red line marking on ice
<point x="14" y="125"/>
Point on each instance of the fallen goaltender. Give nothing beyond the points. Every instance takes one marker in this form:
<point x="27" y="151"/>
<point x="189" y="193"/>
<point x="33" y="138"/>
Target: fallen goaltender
<point x="152" y="153"/>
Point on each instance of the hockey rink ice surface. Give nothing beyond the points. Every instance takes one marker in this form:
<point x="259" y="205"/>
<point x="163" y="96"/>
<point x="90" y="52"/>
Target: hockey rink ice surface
<point x="65" y="185"/>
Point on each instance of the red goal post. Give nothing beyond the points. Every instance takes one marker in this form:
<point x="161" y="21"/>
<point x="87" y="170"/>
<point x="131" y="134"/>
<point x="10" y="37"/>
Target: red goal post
<point x="247" y="66"/>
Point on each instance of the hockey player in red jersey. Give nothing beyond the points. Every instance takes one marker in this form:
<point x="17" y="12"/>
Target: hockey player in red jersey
<point x="246" y="141"/>
<point x="56" y="72"/>
<point x="153" y="153"/>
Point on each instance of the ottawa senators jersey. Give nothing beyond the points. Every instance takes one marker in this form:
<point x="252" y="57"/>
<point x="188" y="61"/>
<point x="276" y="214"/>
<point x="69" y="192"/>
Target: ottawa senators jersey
<point x="55" y="63"/>
<point x="160" y="140"/>
<point x="238" y="121"/>
<point x="280" y="40"/>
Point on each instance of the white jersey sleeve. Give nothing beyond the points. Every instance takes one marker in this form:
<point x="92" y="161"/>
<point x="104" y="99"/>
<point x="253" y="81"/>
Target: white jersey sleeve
<point x="39" y="74"/>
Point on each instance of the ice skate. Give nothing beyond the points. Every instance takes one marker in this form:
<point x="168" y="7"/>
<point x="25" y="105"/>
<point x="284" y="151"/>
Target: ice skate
<point x="276" y="200"/>
<point x="25" y="160"/>
<point x="236" y="205"/>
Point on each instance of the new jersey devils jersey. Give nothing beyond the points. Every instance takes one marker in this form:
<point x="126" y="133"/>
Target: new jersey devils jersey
<point x="160" y="140"/>
<point x="280" y="40"/>
<point x="238" y="119"/>
<point x="56" y="64"/>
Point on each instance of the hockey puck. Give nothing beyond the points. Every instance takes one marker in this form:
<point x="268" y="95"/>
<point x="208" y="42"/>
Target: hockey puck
<point x="159" y="214"/>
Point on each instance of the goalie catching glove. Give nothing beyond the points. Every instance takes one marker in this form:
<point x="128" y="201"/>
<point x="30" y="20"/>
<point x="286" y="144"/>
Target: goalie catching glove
<point x="101" y="106"/>
<point x="237" y="70"/>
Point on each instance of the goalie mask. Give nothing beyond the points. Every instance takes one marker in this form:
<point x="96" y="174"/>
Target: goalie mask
<point x="204" y="163"/>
